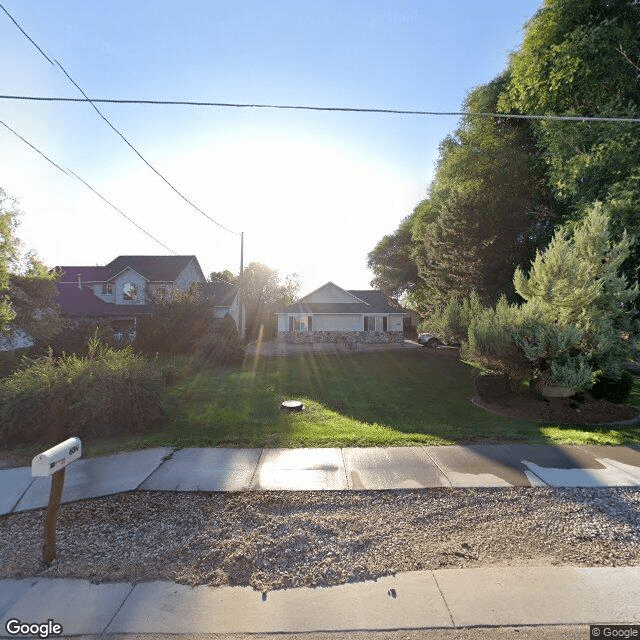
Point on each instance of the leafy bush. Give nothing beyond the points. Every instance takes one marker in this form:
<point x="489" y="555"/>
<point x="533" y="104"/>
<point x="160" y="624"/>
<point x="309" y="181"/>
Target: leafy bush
<point x="222" y="345"/>
<point x="12" y="360"/>
<point x="76" y="339"/>
<point x="617" y="391"/>
<point x="109" y="392"/>
<point x="179" y="322"/>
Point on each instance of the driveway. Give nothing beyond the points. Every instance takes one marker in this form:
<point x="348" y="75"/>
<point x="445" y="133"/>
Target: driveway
<point x="278" y="348"/>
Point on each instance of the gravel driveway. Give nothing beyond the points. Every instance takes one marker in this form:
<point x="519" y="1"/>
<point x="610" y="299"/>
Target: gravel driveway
<point x="274" y="540"/>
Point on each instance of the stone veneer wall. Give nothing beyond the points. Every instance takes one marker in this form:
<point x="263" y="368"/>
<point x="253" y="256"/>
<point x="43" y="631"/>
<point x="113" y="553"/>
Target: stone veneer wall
<point x="364" y="337"/>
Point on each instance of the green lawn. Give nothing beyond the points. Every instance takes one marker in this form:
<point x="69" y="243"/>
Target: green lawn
<point x="392" y="398"/>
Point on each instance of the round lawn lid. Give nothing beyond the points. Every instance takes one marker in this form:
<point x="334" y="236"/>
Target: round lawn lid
<point x="292" y="405"/>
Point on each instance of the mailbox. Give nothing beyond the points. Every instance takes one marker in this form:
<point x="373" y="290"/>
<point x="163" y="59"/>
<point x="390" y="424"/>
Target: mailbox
<point x="56" y="458"/>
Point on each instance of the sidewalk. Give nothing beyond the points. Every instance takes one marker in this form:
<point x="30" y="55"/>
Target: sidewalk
<point x="448" y="598"/>
<point x="219" y="469"/>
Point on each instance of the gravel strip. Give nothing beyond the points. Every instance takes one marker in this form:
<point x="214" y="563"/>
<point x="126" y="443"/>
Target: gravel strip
<point x="275" y="540"/>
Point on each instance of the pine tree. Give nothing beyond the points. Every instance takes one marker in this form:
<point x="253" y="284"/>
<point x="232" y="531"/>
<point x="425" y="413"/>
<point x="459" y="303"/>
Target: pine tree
<point x="576" y="282"/>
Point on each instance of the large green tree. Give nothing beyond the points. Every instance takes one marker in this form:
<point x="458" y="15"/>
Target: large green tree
<point x="264" y="293"/>
<point x="27" y="289"/>
<point x="395" y="270"/>
<point x="581" y="58"/>
<point x="487" y="209"/>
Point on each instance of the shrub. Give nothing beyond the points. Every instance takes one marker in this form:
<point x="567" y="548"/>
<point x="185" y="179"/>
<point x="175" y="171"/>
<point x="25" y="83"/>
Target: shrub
<point x="451" y="324"/>
<point x="76" y="339"/>
<point x="12" y="360"/>
<point x="491" y="342"/>
<point x="180" y="320"/>
<point x="613" y="390"/>
<point x="109" y="392"/>
<point x="222" y="345"/>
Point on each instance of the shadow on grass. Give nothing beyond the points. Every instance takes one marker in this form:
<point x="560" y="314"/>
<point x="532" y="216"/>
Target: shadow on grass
<point x="385" y="398"/>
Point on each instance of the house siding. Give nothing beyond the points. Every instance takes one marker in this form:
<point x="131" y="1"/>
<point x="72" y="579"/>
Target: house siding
<point x="338" y="322"/>
<point x="190" y="274"/>
<point x="330" y="293"/>
<point x="129" y="275"/>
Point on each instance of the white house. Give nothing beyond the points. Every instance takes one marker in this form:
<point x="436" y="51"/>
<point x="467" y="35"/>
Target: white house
<point x="332" y="313"/>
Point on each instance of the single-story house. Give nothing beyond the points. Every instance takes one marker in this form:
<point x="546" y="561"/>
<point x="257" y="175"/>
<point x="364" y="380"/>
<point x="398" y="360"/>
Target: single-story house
<point x="331" y="313"/>
<point x="119" y="292"/>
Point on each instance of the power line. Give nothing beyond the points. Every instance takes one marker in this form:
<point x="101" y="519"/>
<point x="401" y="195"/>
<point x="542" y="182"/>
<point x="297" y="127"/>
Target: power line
<point x="25" y="34"/>
<point x="68" y="171"/>
<point x="122" y="213"/>
<point x="4" y="124"/>
<point x="140" y="155"/>
<point x="239" y="105"/>
<point x="87" y="99"/>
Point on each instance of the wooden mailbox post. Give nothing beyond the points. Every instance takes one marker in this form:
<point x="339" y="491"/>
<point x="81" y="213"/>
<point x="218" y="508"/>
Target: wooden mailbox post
<point x="53" y="462"/>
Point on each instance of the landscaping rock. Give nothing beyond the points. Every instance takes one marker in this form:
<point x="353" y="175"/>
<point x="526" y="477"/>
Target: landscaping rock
<point x="275" y="540"/>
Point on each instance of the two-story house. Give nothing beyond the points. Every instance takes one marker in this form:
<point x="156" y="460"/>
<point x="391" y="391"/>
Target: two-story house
<point x="119" y="293"/>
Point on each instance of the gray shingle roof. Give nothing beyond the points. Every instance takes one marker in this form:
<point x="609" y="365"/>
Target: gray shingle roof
<point x="374" y="301"/>
<point x="222" y="293"/>
<point x="153" y="268"/>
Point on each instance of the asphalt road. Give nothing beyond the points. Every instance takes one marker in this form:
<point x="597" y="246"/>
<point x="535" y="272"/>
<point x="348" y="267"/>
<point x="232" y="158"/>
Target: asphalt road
<point x="479" y="633"/>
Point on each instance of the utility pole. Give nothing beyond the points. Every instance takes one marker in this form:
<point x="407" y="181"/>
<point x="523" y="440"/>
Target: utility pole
<point x="241" y="285"/>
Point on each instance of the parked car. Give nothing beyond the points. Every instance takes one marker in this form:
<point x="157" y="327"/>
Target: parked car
<point x="428" y="340"/>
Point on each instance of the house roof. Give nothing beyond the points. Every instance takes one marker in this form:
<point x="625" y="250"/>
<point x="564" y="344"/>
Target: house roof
<point x="81" y="301"/>
<point x="153" y="268"/>
<point x="222" y="293"/>
<point x="373" y="301"/>
<point x="87" y="274"/>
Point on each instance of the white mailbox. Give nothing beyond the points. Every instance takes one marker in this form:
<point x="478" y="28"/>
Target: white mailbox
<point x="56" y="458"/>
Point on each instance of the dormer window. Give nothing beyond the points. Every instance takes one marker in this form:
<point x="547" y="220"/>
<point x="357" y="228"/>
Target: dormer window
<point x="130" y="291"/>
<point x="107" y="289"/>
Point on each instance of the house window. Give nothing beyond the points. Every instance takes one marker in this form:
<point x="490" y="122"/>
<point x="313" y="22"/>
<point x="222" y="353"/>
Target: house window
<point x="107" y="289"/>
<point x="130" y="291"/>
<point x="369" y="323"/>
<point x="384" y="323"/>
<point x="300" y="323"/>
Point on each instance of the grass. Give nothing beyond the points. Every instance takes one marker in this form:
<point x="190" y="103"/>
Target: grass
<point x="390" y="398"/>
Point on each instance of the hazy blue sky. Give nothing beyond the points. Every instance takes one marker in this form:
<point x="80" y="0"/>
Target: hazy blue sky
<point x="313" y="191"/>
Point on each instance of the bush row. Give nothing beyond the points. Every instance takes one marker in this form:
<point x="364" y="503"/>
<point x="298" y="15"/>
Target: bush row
<point x="109" y="392"/>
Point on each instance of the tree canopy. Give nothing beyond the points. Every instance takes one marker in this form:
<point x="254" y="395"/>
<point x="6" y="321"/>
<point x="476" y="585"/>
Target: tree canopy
<point x="487" y="207"/>
<point x="263" y="294"/>
<point x="27" y="289"/>
<point x="502" y="186"/>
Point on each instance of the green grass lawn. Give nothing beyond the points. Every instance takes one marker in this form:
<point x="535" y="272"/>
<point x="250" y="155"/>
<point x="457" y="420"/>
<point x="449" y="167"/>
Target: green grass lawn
<point x="390" y="398"/>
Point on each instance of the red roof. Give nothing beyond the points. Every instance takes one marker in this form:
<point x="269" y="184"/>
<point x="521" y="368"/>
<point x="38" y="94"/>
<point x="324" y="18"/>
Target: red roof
<point x="77" y="301"/>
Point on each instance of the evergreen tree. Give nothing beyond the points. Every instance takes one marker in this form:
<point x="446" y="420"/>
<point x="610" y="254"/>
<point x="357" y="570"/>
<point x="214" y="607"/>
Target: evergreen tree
<point x="577" y="283"/>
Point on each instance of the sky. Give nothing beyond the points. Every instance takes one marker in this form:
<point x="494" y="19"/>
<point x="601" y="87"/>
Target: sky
<point x="312" y="191"/>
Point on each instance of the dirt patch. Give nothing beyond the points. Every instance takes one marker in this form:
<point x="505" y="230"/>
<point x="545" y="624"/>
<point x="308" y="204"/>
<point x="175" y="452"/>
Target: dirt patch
<point x="495" y="394"/>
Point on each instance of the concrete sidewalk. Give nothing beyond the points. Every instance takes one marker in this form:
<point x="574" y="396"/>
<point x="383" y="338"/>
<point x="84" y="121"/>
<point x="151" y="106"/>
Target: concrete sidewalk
<point x="220" y="469"/>
<point x="445" y="599"/>
<point x="448" y="598"/>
